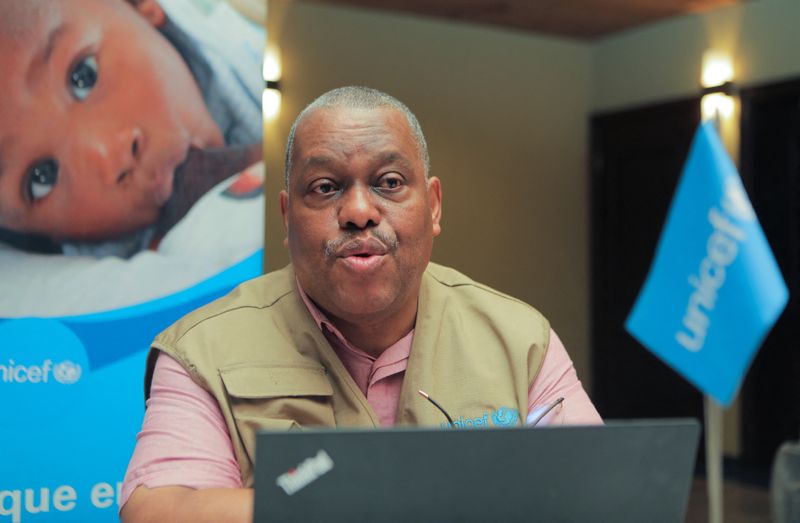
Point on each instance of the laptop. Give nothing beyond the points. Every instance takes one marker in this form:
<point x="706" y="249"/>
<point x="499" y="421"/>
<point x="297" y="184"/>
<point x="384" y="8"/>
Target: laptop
<point x="625" y="471"/>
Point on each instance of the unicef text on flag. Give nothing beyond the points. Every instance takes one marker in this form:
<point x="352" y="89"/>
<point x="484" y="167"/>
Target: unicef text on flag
<point x="714" y="289"/>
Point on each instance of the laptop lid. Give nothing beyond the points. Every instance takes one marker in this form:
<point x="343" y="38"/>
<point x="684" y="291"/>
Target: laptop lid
<point x="624" y="471"/>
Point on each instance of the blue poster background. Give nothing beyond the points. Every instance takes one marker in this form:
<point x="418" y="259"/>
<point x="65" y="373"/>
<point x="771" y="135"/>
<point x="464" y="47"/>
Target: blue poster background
<point x="68" y="428"/>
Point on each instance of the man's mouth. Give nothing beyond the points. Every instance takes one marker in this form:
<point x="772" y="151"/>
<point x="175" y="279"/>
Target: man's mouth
<point x="362" y="248"/>
<point x="362" y="263"/>
<point x="362" y="255"/>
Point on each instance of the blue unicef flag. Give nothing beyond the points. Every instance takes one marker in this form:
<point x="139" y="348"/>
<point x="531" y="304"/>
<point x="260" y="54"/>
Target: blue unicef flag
<point x="714" y="289"/>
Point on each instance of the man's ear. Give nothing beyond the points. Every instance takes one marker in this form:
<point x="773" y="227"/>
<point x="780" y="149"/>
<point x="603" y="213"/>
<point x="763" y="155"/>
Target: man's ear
<point x="151" y="10"/>
<point x="435" y="201"/>
<point x="284" y="197"/>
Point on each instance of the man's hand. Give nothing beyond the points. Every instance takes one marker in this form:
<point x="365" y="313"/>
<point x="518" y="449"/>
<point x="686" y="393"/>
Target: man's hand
<point x="177" y="504"/>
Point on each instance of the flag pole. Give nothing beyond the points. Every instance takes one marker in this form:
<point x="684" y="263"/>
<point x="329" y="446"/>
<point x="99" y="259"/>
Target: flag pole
<point x="713" y="429"/>
<point x="713" y="436"/>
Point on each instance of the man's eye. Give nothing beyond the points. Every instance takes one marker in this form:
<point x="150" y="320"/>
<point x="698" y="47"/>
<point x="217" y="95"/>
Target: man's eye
<point x="42" y="178"/>
<point x="324" y="188"/>
<point x="390" y="182"/>
<point x="83" y="77"/>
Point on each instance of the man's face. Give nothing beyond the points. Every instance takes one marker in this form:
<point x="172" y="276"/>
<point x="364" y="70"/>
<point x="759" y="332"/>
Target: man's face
<point x="359" y="212"/>
<point x="97" y="111"/>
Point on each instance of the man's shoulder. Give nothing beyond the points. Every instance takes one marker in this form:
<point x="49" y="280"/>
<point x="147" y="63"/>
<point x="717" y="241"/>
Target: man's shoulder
<point x="261" y="293"/>
<point x="457" y="282"/>
<point x="479" y="307"/>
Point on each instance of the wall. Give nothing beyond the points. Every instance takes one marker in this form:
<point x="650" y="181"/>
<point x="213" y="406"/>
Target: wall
<point x="663" y="61"/>
<point x="505" y="118"/>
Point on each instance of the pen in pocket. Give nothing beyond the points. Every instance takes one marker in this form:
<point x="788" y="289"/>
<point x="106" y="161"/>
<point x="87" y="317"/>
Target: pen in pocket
<point x="537" y="415"/>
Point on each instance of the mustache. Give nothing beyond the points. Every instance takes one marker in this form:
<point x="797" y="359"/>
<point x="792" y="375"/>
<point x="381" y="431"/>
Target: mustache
<point x="332" y="247"/>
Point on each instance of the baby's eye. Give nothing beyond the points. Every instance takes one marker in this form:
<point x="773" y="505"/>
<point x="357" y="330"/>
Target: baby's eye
<point x="42" y="178"/>
<point x="83" y="77"/>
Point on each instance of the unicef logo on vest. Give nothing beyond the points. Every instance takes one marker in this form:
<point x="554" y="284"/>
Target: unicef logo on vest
<point x="505" y="417"/>
<point x="66" y="372"/>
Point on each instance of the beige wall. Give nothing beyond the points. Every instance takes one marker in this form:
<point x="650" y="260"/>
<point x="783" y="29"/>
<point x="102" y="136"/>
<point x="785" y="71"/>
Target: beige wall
<point x="505" y="118"/>
<point x="663" y="61"/>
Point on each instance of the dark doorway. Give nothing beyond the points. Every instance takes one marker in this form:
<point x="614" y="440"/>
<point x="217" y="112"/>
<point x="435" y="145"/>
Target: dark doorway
<point x="771" y="171"/>
<point x="637" y="157"/>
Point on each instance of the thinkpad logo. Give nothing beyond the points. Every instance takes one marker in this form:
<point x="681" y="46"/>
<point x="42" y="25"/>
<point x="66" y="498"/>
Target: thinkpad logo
<point x="309" y="470"/>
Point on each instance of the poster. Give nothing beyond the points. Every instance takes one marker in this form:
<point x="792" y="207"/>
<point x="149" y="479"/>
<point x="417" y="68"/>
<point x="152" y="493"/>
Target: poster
<point x="131" y="192"/>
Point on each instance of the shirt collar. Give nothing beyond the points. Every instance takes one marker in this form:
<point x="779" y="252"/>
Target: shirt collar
<point x="402" y="346"/>
<point x="321" y="320"/>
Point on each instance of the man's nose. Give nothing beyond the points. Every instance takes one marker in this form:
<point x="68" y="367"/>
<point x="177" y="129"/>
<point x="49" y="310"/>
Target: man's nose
<point x="111" y="154"/>
<point x="358" y="209"/>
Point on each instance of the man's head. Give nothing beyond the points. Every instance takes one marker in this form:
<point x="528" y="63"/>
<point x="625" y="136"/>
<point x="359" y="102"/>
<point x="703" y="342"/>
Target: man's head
<point x="359" y="209"/>
<point x="357" y="97"/>
<point x="97" y="111"/>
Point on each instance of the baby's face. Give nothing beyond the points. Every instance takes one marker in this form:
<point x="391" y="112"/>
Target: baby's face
<point x="97" y="110"/>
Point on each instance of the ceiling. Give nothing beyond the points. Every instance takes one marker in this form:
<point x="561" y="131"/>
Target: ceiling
<point x="581" y="19"/>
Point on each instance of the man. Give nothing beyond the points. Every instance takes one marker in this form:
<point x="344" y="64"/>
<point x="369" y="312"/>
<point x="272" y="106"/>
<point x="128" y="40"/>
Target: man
<point x="348" y="333"/>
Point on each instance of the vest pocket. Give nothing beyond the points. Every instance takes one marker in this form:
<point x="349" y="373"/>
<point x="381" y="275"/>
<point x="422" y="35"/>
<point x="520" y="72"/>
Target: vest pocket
<point x="277" y="397"/>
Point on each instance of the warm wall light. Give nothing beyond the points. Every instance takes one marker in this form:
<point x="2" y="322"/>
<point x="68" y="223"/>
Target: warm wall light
<point x="272" y="66"/>
<point x="717" y="105"/>
<point x="270" y="103"/>
<point x="718" y="89"/>
<point x="717" y="69"/>
<point x="271" y="97"/>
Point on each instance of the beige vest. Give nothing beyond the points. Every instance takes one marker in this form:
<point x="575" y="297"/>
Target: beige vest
<point x="260" y="354"/>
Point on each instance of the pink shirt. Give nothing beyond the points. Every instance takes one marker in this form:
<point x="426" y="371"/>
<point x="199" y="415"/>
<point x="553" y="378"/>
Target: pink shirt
<point x="184" y="440"/>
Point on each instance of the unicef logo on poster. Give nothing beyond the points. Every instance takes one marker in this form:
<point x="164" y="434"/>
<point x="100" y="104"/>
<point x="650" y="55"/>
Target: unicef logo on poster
<point x="43" y="365"/>
<point x="67" y="372"/>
